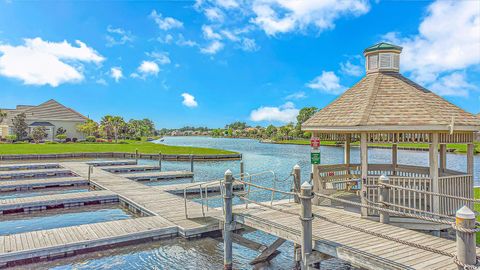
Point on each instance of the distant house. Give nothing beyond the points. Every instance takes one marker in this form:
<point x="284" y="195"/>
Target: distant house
<point x="51" y="115"/>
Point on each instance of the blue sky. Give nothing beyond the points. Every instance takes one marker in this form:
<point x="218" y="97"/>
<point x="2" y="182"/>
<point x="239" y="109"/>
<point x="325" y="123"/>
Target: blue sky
<point x="214" y="62"/>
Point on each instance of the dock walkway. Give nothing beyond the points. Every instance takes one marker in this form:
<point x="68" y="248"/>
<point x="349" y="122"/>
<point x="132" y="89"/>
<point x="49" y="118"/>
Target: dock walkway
<point x="154" y="200"/>
<point x="130" y="168"/>
<point x="156" y="176"/>
<point x="354" y="246"/>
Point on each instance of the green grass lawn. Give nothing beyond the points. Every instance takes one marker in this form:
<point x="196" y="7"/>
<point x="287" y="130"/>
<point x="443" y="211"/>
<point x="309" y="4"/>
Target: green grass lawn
<point x="459" y="148"/>
<point x="476" y="207"/>
<point x="143" y="147"/>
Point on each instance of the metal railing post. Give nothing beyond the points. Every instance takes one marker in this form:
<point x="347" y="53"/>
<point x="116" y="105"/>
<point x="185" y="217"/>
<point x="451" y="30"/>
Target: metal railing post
<point x="160" y="161"/>
<point x="383" y="198"/>
<point x="228" y="222"/>
<point x="191" y="162"/>
<point x="242" y="170"/>
<point x="90" y="171"/>
<point x="466" y="241"/>
<point x="296" y="181"/>
<point x="306" y="218"/>
<point x="136" y="156"/>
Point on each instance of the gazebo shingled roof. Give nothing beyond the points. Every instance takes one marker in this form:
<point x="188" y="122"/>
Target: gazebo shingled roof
<point x="389" y="101"/>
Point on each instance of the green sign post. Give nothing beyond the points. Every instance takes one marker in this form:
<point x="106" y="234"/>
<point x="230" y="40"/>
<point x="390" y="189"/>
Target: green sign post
<point x="315" y="158"/>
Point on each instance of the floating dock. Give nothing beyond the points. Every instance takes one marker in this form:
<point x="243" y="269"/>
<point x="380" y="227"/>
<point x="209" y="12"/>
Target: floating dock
<point x="23" y="174"/>
<point x="156" y="176"/>
<point x="42" y="183"/>
<point x="130" y="168"/>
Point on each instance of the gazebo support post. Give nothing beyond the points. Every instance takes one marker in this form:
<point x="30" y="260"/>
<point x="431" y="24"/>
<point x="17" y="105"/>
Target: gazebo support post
<point x="364" y="162"/>
<point x="318" y="187"/>
<point x="470" y="148"/>
<point x="394" y="158"/>
<point x="433" y="158"/>
<point x="346" y="152"/>
<point x="443" y="157"/>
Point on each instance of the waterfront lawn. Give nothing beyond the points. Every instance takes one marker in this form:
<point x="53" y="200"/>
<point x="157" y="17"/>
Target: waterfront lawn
<point x="476" y="207"/>
<point x="125" y="146"/>
<point x="459" y="148"/>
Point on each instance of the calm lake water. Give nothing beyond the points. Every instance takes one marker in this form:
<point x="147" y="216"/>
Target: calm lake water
<point x="207" y="253"/>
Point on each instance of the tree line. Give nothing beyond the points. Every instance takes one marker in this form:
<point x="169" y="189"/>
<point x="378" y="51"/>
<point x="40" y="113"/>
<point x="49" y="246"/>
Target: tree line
<point x="115" y="127"/>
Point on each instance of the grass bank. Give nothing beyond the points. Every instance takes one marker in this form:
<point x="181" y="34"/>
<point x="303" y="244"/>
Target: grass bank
<point x="458" y="148"/>
<point x="127" y="146"/>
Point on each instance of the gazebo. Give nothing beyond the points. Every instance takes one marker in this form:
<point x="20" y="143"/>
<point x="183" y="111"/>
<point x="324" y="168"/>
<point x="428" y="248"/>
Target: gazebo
<point x="384" y="107"/>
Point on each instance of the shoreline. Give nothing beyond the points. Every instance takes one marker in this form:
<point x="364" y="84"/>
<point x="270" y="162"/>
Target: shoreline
<point x="333" y="144"/>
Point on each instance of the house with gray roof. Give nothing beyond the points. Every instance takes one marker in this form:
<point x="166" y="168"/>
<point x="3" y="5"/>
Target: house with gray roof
<point x="50" y="114"/>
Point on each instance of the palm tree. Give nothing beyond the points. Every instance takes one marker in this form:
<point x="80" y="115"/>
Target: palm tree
<point x="112" y="124"/>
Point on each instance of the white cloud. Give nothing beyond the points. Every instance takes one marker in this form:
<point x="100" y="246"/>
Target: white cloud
<point x="280" y="16"/>
<point x="448" y="41"/>
<point x="116" y="73"/>
<point x="145" y="69"/>
<point x="213" y="48"/>
<point x="454" y="84"/>
<point x="229" y="35"/>
<point x="249" y="45"/>
<point x="160" y="57"/>
<point x="102" y="82"/>
<point x="214" y="14"/>
<point x="296" y="95"/>
<point x="181" y="41"/>
<point x="166" y="23"/>
<point x="327" y="82"/>
<point x="208" y="33"/>
<point x="227" y="3"/>
<point x="118" y="36"/>
<point x="189" y="100"/>
<point x="285" y="113"/>
<point x="40" y="62"/>
<point x="167" y="39"/>
<point x="351" y="69"/>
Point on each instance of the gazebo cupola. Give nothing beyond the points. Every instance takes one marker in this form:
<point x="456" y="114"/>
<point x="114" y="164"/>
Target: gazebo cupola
<point x="386" y="108"/>
<point x="382" y="57"/>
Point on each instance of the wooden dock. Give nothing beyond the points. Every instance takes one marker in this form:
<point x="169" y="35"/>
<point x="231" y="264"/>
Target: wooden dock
<point x="42" y="183"/>
<point x="60" y="242"/>
<point x="39" y="203"/>
<point x="353" y="246"/>
<point x="103" y="163"/>
<point x="156" y="176"/>
<point x="130" y="168"/>
<point x="23" y="174"/>
<point x="30" y="166"/>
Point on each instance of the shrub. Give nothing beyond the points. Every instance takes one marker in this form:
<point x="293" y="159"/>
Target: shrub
<point x="138" y="138"/>
<point x="61" y="137"/>
<point x="21" y="142"/>
<point x="68" y="140"/>
<point x="51" y="142"/>
<point x="74" y="139"/>
<point x="11" y="138"/>
<point x="100" y="140"/>
<point x="90" y="139"/>
<point x="122" y="142"/>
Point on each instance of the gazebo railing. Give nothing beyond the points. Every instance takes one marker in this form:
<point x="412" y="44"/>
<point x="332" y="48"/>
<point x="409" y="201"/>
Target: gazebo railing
<point x="457" y="185"/>
<point x="347" y="177"/>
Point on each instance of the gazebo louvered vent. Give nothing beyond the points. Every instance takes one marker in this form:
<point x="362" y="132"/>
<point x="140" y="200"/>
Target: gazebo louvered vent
<point x="384" y="107"/>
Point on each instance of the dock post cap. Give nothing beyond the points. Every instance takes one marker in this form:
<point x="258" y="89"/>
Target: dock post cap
<point x="228" y="172"/>
<point x="296" y="167"/>
<point x="465" y="213"/>
<point x="306" y="185"/>
<point x="383" y="177"/>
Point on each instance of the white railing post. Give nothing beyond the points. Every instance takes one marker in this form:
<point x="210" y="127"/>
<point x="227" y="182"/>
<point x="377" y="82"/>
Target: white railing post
<point x="306" y="218"/>
<point x="228" y="222"/>
<point x="90" y="171"/>
<point x="383" y="198"/>
<point x="466" y="241"/>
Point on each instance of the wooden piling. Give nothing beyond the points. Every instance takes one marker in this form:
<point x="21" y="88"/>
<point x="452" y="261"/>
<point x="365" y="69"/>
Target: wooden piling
<point x="228" y="222"/>
<point x="191" y="162"/>
<point x="296" y="181"/>
<point x="306" y="218"/>
<point x="242" y="171"/>
<point x="466" y="241"/>
<point x="136" y="156"/>
<point x="383" y="198"/>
